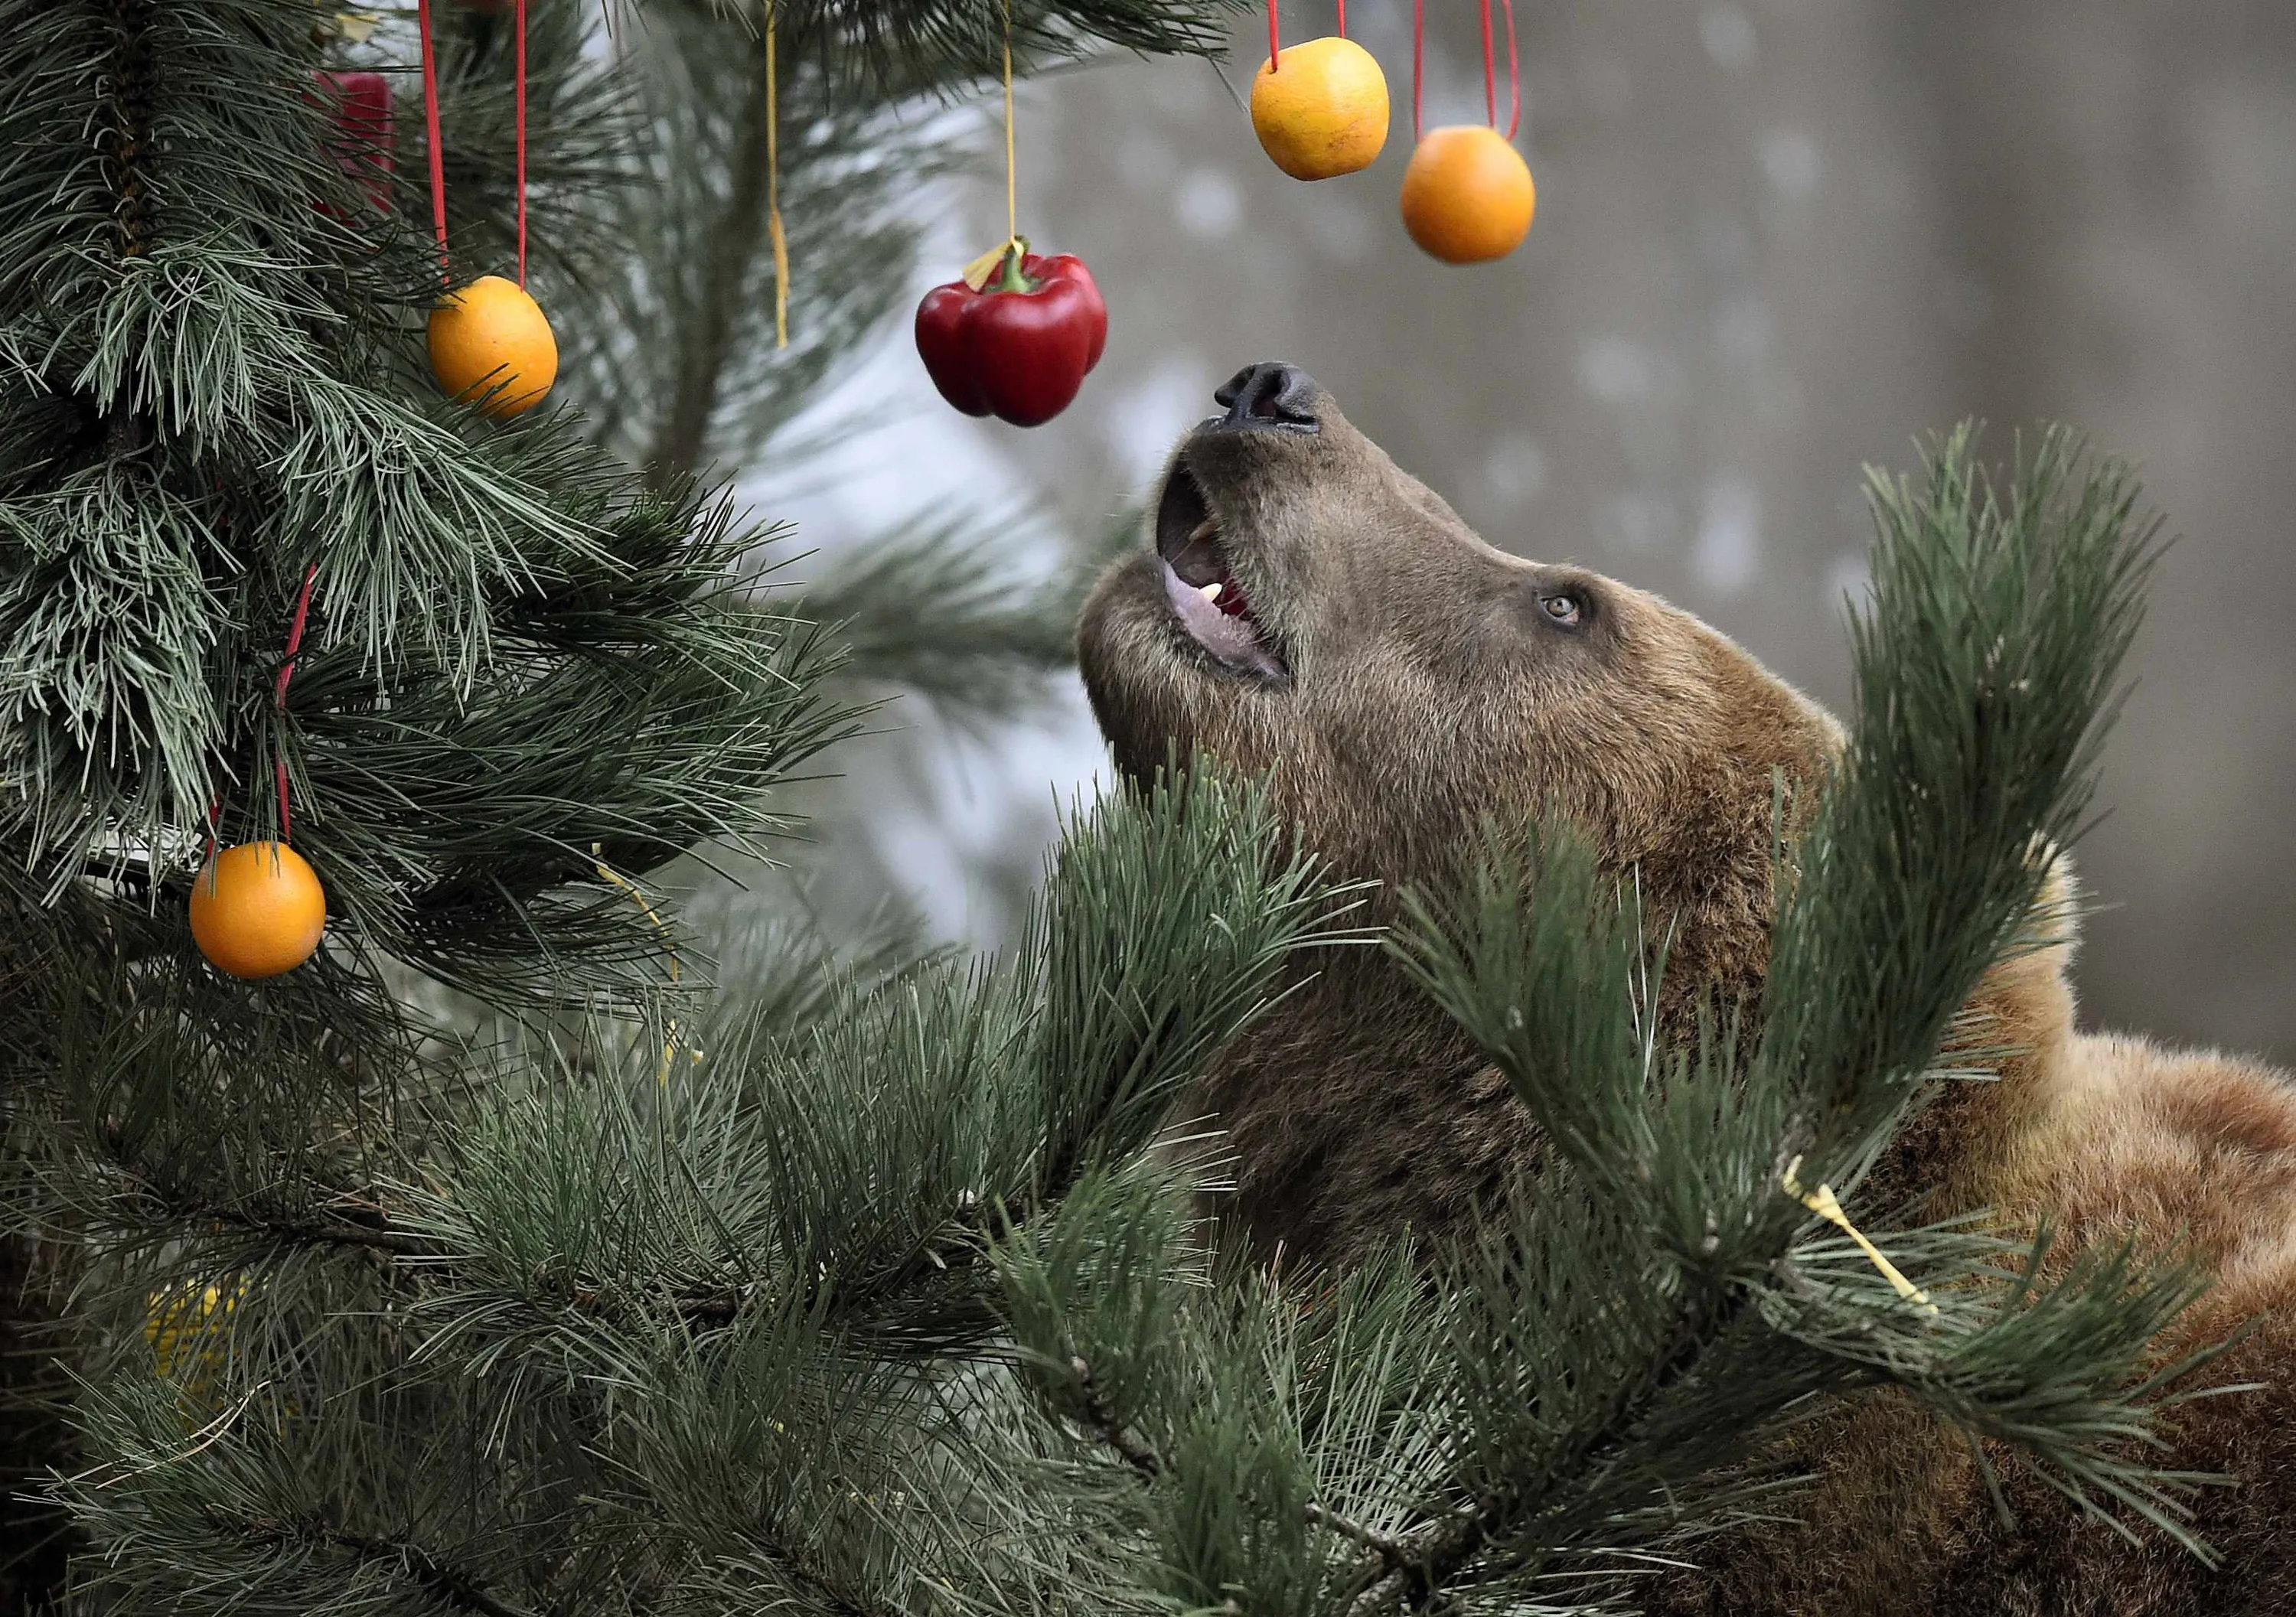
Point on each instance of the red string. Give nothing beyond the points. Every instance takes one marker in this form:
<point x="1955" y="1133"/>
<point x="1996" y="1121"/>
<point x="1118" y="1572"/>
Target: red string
<point x="1418" y="56"/>
<point x="1490" y="77"/>
<point x="295" y="638"/>
<point x="1515" y="74"/>
<point x="279" y="689"/>
<point x="430" y="116"/>
<point x="1343" y="19"/>
<point x="1275" y="44"/>
<point x="518" y="8"/>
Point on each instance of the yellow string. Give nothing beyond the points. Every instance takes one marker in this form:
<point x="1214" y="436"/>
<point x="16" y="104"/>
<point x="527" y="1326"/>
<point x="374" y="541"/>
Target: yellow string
<point x="1012" y="186"/>
<point x="608" y="874"/>
<point x="774" y="191"/>
<point x="1827" y="1206"/>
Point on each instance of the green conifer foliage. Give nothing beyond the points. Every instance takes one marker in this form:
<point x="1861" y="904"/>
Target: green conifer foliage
<point x="879" y="1291"/>
<point x="539" y="665"/>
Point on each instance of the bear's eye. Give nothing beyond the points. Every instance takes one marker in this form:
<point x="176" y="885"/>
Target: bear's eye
<point x="1562" y="610"/>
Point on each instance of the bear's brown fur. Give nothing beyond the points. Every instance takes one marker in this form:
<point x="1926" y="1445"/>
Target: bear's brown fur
<point x="1398" y="680"/>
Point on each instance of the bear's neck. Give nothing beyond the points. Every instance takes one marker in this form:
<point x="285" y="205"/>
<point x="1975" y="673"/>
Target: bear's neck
<point x="1355" y="1110"/>
<point x="1978" y="1141"/>
<point x="1352" y="1112"/>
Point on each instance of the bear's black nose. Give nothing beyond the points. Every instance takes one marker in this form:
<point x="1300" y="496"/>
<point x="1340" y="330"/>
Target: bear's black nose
<point x="1270" y="394"/>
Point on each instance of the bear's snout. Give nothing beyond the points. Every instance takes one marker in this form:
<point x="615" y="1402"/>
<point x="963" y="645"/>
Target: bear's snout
<point x="1268" y="395"/>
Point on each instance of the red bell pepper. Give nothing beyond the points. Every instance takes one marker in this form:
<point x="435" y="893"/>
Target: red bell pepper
<point x="361" y="106"/>
<point x="1018" y="346"/>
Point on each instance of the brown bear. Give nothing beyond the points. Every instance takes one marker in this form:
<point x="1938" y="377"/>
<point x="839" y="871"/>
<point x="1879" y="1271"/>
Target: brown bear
<point x="1309" y="612"/>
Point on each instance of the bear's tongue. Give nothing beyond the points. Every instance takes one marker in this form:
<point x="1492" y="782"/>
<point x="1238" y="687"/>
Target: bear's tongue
<point x="1212" y="606"/>
<point x="1203" y="565"/>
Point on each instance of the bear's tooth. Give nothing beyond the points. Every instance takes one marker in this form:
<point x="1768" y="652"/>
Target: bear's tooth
<point x="1210" y="592"/>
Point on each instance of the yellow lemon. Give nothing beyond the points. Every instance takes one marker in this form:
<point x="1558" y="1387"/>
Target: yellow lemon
<point x="490" y="342"/>
<point x="1467" y="196"/>
<point x="1320" y="108"/>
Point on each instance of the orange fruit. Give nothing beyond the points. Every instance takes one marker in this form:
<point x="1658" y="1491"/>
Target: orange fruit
<point x="490" y="342"/>
<point x="1467" y="196"/>
<point x="258" y="909"/>
<point x="1320" y="109"/>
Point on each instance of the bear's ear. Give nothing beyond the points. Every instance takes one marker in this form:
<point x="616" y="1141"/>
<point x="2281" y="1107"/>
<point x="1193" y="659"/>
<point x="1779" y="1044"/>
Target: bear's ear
<point x="2057" y="916"/>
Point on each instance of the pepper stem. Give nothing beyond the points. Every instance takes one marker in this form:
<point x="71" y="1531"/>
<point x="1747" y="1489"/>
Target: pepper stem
<point x="1004" y="256"/>
<point x="1013" y="279"/>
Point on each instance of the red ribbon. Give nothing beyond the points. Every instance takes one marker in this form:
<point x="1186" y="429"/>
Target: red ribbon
<point x="1490" y="79"/>
<point x="1515" y="74"/>
<point x="279" y="694"/>
<point x="520" y="9"/>
<point x="1490" y="68"/>
<point x="430" y="116"/>
<point x="1418" y="60"/>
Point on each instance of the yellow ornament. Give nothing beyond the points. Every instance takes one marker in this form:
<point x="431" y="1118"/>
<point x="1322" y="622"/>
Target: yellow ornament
<point x="258" y="909"/>
<point x="183" y="1324"/>
<point x="1467" y="196"/>
<point x="1320" y="108"/>
<point x="490" y="343"/>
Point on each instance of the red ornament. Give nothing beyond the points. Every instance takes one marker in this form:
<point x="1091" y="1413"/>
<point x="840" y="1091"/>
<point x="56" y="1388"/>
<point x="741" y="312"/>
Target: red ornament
<point x="362" y="148"/>
<point x="1016" y="343"/>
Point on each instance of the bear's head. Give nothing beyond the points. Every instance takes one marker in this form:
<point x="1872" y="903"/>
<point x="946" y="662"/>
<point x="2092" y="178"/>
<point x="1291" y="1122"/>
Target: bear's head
<point x="1307" y="612"/>
<point x="1310" y="611"/>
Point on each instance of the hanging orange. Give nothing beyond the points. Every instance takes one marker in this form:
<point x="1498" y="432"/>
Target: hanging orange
<point x="258" y="909"/>
<point x="1467" y="196"/>
<point x="1320" y="109"/>
<point x="490" y="342"/>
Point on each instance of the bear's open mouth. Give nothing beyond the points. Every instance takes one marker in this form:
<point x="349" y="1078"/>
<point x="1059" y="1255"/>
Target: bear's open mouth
<point x="1210" y="605"/>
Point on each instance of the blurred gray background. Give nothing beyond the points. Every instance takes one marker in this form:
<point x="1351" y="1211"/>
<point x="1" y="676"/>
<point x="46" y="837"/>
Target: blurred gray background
<point x="1777" y="241"/>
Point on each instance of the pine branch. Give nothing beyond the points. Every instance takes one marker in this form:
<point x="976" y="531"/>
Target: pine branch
<point x="704" y="347"/>
<point x="129" y="96"/>
<point x="1101" y="1417"/>
<point x="1425" y="1561"/>
<point x="899" y="46"/>
<point x="376" y="1232"/>
<point x="451" y="1586"/>
<point x="1390" y="1549"/>
<point x="128" y="83"/>
<point x="838" y="1596"/>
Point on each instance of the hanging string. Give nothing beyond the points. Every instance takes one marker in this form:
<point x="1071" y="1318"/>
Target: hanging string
<point x="1515" y="74"/>
<point x="430" y="117"/>
<point x="1012" y="180"/>
<point x="1418" y="60"/>
<point x="774" y="187"/>
<point x="1343" y="19"/>
<point x="1490" y="65"/>
<point x="1490" y="76"/>
<point x="279" y="691"/>
<point x="988" y="265"/>
<point x="518" y="8"/>
<point x="1823" y="1202"/>
<point x="1275" y="42"/>
<point x="637" y="896"/>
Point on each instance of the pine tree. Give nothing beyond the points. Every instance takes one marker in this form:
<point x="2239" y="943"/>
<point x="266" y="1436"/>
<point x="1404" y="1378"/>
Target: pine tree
<point x="876" y="1289"/>
<point x="543" y="657"/>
